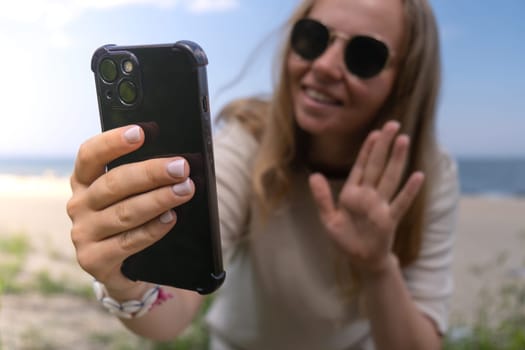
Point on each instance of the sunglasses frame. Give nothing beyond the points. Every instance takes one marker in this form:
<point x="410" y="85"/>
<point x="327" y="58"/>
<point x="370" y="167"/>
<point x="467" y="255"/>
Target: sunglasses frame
<point x="334" y="34"/>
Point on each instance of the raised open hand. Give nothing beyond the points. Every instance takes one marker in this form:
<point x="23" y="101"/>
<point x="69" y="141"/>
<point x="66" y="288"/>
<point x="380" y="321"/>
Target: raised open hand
<point x="369" y="208"/>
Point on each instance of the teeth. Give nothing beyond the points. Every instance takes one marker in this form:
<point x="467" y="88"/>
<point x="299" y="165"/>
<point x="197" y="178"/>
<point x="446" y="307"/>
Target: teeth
<point x="318" y="96"/>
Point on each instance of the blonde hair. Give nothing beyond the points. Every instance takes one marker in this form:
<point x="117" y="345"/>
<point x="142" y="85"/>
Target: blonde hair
<point x="412" y="102"/>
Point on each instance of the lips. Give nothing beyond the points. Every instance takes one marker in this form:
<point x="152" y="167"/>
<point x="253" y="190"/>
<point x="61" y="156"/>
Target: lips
<point x="321" y="97"/>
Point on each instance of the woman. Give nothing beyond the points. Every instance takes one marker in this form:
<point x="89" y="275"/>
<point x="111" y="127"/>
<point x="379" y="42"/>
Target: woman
<point x="337" y="234"/>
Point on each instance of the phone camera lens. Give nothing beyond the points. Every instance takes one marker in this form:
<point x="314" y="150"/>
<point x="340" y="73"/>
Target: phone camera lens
<point x="127" y="91"/>
<point x="108" y="70"/>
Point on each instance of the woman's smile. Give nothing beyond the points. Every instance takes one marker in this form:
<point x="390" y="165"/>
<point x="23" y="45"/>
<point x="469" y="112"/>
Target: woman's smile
<point x="321" y="97"/>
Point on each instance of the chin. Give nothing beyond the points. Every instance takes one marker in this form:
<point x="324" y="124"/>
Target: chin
<point x="316" y="123"/>
<point x="315" y="126"/>
<point x="307" y="123"/>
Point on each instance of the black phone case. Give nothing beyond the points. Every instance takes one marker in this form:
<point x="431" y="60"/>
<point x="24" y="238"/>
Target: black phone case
<point x="171" y="105"/>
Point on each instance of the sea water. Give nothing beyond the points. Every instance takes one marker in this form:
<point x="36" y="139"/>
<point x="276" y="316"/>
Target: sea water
<point x="487" y="176"/>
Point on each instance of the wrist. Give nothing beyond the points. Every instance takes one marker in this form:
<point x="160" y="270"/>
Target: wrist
<point x="388" y="266"/>
<point x="131" y="308"/>
<point x="133" y="290"/>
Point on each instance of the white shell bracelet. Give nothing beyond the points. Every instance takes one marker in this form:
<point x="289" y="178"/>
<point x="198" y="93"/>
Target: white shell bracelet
<point x="127" y="309"/>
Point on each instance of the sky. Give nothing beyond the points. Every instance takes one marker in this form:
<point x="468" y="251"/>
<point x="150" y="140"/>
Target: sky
<point x="47" y="91"/>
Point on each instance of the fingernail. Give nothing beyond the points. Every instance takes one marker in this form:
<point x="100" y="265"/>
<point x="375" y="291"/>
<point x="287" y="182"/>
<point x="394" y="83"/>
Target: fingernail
<point x="183" y="188"/>
<point x="132" y="135"/>
<point x="167" y="217"/>
<point x="395" y="124"/>
<point x="176" y="168"/>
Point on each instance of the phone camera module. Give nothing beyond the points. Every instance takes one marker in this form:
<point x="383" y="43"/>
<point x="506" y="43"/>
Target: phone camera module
<point x="108" y="70"/>
<point x="127" y="91"/>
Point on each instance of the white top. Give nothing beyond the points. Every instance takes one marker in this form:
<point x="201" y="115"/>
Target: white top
<point x="284" y="277"/>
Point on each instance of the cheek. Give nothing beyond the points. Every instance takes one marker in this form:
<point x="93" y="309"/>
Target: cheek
<point x="373" y="93"/>
<point x="387" y="84"/>
<point x="296" y="69"/>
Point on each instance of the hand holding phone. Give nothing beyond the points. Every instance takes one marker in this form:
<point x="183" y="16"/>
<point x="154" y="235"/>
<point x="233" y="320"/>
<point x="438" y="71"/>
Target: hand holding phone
<point x="163" y="89"/>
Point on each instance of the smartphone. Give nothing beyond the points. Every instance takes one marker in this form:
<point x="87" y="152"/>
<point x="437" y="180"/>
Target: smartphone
<point x="163" y="88"/>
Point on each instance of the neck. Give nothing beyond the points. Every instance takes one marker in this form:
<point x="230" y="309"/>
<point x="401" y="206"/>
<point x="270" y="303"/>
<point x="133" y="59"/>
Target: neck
<point x="333" y="156"/>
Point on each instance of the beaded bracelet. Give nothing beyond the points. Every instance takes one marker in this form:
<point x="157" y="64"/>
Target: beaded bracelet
<point x="131" y="308"/>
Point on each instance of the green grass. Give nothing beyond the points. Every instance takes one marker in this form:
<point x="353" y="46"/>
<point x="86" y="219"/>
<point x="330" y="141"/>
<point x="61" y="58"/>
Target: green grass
<point x="499" y="323"/>
<point x="508" y="333"/>
<point x="13" y="251"/>
<point x="118" y="341"/>
<point x="500" y="318"/>
<point x="47" y="285"/>
<point x="14" y="244"/>
<point x="34" y="338"/>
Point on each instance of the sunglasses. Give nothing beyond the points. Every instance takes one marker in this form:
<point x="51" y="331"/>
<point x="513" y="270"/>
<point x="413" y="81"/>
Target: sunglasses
<point x="364" y="55"/>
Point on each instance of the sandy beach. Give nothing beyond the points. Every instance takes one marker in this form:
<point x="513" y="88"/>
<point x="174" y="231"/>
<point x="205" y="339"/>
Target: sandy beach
<point x="489" y="252"/>
<point x="58" y="310"/>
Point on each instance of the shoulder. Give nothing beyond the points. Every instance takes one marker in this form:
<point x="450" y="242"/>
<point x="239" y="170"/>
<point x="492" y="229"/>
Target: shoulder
<point x="235" y="135"/>
<point x="251" y="113"/>
<point x="234" y="149"/>
<point x="445" y="187"/>
<point x="234" y="152"/>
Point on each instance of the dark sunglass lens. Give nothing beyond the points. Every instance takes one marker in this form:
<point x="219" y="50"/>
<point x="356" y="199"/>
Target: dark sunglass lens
<point x="309" y="38"/>
<point x="365" y="56"/>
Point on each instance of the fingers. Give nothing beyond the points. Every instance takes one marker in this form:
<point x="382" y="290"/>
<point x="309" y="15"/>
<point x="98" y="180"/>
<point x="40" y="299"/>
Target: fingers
<point x="95" y="153"/>
<point x="391" y="177"/>
<point x="103" y="258"/>
<point x="358" y="168"/>
<point x="322" y="195"/>
<point x="378" y="155"/>
<point x="134" y="178"/>
<point x="406" y="196"/>
<point x="134" y="211"/>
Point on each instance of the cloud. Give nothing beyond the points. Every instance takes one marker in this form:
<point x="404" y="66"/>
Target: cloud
<point x="200" y="6"/>
<point x="52" y="16"/>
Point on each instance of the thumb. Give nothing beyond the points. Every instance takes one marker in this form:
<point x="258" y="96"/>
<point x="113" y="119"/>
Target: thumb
<point x="322" y="195"/>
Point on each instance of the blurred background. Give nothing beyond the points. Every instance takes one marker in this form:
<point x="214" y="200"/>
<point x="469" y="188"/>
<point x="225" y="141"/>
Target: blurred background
<point x="49" y="107"/>
<point x="47" y="90"/>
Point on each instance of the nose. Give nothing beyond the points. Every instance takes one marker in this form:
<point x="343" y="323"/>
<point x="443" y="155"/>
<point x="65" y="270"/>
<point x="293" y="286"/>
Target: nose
<point x="330" y="65"/>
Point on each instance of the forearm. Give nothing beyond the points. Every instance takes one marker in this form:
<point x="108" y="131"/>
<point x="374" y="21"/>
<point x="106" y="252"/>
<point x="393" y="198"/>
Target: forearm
<point x="167" y="320"/>
<point x="396" y="321"/>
